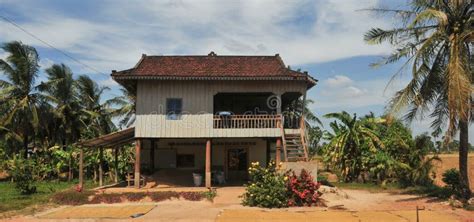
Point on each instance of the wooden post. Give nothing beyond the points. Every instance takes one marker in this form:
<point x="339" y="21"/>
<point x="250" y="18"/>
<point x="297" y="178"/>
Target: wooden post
<point x="152" y="155"/>
<point x="279" y="104"/>
<point x="137" y="163"/>
<point x="208" y="163"/>
<point x="101" y="171"/>
<point x="81" y="168"/>
<point x="278" y="151"/>
<point x="116" y="164"/>
<point x="302" y="107"/>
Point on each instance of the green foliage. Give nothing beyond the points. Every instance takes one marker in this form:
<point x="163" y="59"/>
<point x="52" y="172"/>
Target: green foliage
<point x="378" y="149"/>
<point x="302" y="189"/>
<point x="452" y="179"/>
<point x="21" y="171"/>
<point x="351" y="144"/>
<point x="434" y="41"/>
<point x="210" y="195"/>
<point x="266" y="187"/>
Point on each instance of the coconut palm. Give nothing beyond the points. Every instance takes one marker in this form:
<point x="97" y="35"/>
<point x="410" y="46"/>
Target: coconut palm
<point x="18" y="93"/>
<point x="345" y="148"/>
<point x="98" y="119"/>
<point x="60" y="90"/>
<point x="126" y="109"/>
<point x="434" y="38"/>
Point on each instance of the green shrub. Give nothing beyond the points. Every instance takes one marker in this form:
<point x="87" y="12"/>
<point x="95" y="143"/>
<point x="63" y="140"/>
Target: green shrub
<point x="302" y="189"/>
<point x="266" y="187"/>
<point x="452" y="179"/>
<point x="71" y="197"/>
<point x="21" y="172"/>
<point x="210" y="195"/>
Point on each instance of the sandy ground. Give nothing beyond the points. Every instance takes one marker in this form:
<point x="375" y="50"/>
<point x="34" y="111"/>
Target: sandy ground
<point x="449" y="161"/>
<point x="228" y="200"/>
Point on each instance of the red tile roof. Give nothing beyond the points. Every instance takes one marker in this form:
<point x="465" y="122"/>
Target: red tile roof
<point x="213" y="67"/>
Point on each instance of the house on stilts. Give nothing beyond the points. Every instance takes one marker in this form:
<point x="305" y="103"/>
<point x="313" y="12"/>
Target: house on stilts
<point x="211" y="115"/>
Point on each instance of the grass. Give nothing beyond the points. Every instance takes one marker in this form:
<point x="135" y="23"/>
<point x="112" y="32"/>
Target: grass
<point x="12" y="200"/>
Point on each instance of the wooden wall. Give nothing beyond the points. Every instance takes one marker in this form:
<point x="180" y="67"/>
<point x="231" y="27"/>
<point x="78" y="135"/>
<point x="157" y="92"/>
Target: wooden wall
<point x="197" y="97"/>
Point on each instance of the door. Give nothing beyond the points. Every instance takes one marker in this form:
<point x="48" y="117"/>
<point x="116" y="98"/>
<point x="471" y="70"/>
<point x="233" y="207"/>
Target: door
<point x="237" y="164"/>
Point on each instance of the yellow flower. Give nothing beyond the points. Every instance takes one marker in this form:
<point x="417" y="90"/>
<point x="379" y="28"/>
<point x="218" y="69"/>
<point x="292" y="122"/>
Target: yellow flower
<point x="285" y="178"/>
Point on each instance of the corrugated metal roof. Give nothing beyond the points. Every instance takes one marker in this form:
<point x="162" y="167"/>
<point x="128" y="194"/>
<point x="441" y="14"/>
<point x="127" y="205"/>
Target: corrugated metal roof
<point x="110" y="140"/>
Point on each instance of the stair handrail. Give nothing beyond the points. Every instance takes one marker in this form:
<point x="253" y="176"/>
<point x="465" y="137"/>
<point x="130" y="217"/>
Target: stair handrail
<point x="303" y="137"/>
<point x="283" y="140"/>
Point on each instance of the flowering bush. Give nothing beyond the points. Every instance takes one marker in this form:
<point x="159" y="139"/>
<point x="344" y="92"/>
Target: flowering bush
<point x="270" y="189"/>
<point x="302" y="190"/>
<point x="266" y="187"/>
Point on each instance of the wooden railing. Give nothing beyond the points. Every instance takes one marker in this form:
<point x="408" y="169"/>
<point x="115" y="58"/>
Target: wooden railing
<point x="258" y="121"/>
<point x="304" y="137"/>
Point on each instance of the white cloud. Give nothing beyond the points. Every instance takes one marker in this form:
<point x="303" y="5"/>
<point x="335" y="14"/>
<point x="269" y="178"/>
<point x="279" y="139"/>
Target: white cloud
<point x="338" y="81"/>
<point x="329" y="30"/>
<point x="341" y="92"/>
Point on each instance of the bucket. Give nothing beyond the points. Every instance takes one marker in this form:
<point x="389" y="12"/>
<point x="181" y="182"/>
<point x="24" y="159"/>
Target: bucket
<point x="220" y="177"/>
<point x="197" y="178"/>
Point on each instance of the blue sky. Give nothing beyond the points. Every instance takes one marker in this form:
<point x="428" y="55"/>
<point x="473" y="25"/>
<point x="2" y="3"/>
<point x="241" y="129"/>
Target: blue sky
<point x="323" y="37"/>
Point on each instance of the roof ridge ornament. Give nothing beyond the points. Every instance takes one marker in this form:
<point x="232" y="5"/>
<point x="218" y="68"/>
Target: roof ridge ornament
<point x="212" y="53"/>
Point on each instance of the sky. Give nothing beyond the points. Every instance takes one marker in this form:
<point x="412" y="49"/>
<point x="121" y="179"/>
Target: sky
<point x="323" y="37"/>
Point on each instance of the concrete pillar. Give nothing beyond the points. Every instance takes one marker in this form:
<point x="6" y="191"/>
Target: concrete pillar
<point x="137" y="163"/>
<point x="208" y="163"/>
<point x="278" y="151"/>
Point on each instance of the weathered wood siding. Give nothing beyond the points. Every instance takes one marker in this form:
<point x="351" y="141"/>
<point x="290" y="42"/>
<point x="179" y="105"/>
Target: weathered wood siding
<point x="197" y="104"/>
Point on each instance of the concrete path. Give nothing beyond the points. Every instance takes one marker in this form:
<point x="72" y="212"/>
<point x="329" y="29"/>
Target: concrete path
<point x="359" y="206"/>
<point x="331" y="216"/>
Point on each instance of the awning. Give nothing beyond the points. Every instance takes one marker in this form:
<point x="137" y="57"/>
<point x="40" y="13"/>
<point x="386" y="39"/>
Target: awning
<point x="110" y="140"/>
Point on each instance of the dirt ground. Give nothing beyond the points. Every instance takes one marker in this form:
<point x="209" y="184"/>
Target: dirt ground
<point x="449" y="161"/>
<point x="228" y="200"/>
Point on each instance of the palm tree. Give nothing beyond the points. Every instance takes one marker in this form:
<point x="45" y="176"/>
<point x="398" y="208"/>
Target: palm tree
<point x="435" y="37"/>
<point x="60" y="90"/>
<point x="98" y="119"/>
<point x="345" y="148"/>
<point x="126" y="110"/>
<point x="19" y="92"/>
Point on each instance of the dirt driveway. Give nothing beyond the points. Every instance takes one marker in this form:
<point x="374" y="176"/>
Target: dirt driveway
<point x="358" y="205"/>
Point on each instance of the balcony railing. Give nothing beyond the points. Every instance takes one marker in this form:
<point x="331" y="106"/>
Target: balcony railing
<point x="258" y="121"/>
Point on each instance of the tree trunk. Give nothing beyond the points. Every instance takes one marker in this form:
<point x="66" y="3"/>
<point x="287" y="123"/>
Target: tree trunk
<point x="25" y="144"/>
<point x="463" y="157"/>
<point x="69" y="178"/>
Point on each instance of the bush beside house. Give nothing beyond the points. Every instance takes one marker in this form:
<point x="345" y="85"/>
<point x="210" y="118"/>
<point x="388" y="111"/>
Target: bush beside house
<point x="269" y="188"/>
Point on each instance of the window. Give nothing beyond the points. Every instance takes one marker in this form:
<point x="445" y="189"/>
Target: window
<point x="185" y="160"/>
<point x="173" y="108"/>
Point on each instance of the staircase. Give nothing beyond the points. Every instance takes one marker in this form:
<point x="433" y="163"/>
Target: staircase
<point x="294" y="147"/>
<point x="295" y="144"/>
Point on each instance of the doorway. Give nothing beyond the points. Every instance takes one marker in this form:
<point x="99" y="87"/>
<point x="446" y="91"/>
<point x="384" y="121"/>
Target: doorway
<point x="237" y="164"/>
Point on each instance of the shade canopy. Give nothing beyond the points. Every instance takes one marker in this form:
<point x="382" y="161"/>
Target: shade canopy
<point x="110" y="140"/>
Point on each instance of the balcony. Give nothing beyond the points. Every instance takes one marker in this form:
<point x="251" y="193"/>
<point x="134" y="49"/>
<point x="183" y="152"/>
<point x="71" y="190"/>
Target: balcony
<point x="252" y="121"/>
